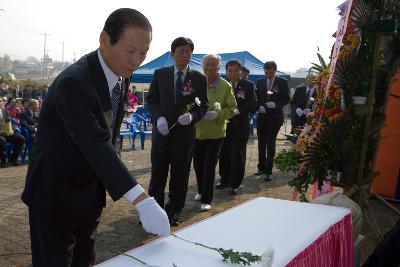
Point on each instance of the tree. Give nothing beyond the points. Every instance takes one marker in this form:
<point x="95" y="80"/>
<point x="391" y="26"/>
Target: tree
<point x="6" y="63"/>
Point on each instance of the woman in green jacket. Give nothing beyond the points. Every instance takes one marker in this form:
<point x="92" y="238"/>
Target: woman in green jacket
<point x="211" y="130"/>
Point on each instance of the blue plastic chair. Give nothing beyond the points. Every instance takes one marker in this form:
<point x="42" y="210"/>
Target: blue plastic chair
<point x="8" y="150"/>
<point x="28" y="146"/>
<point x="128" y="132"/>
<point x="139" y="127"/>
<point x="143" y="115"/>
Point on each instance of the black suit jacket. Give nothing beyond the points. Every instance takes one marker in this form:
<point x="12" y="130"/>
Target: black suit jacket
<point x="73" y="157"/>
<point x="161" y="97"/>
<point x="280" y="97"/>
<point x="246" y="104"/>
<point x="28" y="121"/>
<point x="300" y="100"/>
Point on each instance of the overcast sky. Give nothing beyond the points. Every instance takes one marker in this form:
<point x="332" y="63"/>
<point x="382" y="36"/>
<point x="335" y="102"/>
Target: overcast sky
<point x="287" y="31"/>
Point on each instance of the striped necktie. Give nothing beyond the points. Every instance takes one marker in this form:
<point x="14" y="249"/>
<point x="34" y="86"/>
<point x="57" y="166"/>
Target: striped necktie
<point x="178" y="85"/>
<point x="115" y="97"/>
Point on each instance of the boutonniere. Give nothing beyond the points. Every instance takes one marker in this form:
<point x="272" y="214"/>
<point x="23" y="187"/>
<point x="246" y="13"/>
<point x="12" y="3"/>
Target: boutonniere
<point x="217" y="106"/>
<point x="275" y="89"/>
<point x="187" y="89"/>
<point x="241" y="94"/>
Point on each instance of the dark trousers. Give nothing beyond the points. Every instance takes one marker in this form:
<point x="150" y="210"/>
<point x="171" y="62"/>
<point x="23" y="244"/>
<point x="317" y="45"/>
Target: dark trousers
<point x="17" y="140"/>
<point x="267" y="131"/>
<point x="232" y="160"/>
<point x="204" y="161"/>
<point x="69" y="243"/>
<point x="298" y="122"/>
<point x="171" y="153"/>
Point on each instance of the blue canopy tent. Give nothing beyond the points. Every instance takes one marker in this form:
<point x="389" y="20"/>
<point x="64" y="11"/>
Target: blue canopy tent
<point x="144" y="74"/>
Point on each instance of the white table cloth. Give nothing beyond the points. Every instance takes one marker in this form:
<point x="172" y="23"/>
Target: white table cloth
<point x="288" y="227"/>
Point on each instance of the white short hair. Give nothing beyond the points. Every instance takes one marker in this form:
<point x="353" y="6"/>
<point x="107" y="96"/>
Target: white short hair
<point x="214" y="56"/>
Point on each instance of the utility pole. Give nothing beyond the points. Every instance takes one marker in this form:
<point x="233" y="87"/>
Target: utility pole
<point x="44" y="55"/>
<point x="62" y="58"/>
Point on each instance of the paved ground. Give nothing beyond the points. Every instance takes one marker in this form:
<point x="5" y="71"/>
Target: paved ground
<point x="119" y="231"/>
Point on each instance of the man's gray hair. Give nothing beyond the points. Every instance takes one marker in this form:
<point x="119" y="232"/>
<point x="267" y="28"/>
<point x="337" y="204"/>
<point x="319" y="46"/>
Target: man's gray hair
<point x="32" y="102"/>
<point x="214" y="56"/>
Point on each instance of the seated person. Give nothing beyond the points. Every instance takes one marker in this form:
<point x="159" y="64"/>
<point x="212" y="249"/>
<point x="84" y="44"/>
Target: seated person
<point x="30" y="118"/>
<point x="7" y="134"/>
<point x="132" y="100"/>
<point x="13" y="111"/>
<point x="25" y="104"/>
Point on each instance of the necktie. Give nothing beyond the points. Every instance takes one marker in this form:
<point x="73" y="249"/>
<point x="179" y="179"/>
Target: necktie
<point x="115" y="96"/>
<point x="178" y="85"/>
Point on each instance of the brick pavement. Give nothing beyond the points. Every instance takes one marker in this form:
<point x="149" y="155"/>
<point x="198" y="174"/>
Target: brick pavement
<point x="118" y="230"/>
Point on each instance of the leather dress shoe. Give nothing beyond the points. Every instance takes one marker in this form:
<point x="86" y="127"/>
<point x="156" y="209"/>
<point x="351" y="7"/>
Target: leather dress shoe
<point x="15" y="163"/>
<point x="234" y="191"/>
<point x="259" y="172"/>
<point x="268" y="178"/>
<point x="220" y="186"/>
<point x="173" y="220"/>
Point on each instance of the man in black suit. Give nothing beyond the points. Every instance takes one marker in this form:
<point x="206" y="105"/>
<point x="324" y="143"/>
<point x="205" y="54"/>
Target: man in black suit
<point x="232" y="160"/>
<point x="272" y="95"/>
<point x="74" y="160"/>
<point x="172" y="90"/>
<point x="30" y="118"/>
<point x="302" y="102"/>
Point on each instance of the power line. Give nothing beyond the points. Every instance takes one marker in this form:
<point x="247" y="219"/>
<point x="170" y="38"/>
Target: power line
<point x="11" y="22"/>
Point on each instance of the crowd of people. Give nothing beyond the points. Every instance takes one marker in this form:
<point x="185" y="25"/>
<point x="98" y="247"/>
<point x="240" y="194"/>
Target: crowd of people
<point x="18" y="121"/>
<point x="216" y="129"/>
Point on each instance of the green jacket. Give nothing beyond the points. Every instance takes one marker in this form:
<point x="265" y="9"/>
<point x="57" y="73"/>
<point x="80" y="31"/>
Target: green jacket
<point x="220" y="91"/>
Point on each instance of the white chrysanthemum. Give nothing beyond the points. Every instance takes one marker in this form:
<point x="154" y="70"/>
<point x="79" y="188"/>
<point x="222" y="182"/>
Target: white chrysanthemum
<point x="197" y="101"/>
<point x="267" y="258"/>
<point x="217" y="106"/>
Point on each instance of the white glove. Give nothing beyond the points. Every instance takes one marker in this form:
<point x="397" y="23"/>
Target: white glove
<point x="306" y="111"/>
<point x="154" y="219"/>
<point x="262" y="110"/>
<point x="299" y="112"/>
<point x="270" y="104"/>
<point x="185" y="119"/>
<point x="211" y="115"/>
<point x="162" y="126"/>
<point x="236" y="111"/>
